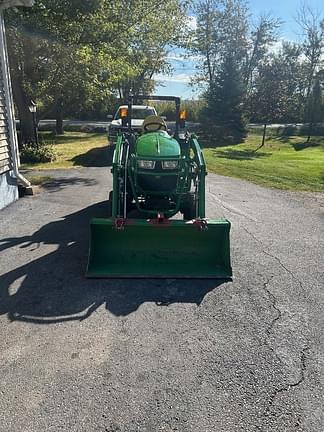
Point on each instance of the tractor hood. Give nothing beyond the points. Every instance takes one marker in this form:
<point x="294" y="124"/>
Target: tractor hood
<point x="157" y="144"/>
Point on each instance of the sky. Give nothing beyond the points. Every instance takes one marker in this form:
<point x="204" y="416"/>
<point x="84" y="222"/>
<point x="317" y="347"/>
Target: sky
<point x="177" y="84"/>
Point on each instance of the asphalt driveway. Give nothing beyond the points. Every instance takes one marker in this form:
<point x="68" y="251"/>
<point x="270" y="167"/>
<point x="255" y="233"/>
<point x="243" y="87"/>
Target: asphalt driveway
<point x="161" y="355"/>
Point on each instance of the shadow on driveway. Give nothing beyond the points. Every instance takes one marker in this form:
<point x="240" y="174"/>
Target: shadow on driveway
<point x="96" y="157"/>
<point x="53" y="288"/>
<point x="59" y="183"/>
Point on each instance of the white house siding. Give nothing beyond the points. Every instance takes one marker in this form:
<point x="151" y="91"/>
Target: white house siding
<point x="9" y="157"/>
<point x="8" y="183"/>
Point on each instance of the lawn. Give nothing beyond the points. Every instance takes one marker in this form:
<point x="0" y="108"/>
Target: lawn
<point x="75" y="149"/>
<point x="284" y="162"/>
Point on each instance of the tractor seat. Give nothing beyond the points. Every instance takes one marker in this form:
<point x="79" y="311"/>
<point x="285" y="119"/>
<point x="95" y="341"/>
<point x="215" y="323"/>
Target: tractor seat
<point x="154" y="123"/>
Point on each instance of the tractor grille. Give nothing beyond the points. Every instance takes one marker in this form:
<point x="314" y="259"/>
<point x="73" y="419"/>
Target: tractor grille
<point x="157" y="183"/>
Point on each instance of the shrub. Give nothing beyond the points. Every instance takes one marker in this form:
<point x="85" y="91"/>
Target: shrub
<point x="32" y="154"/>
<point x="216" y="135"/>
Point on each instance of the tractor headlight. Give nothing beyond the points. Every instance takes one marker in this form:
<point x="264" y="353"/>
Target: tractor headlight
<point x="169" y="164"/>
<point x="146" y="164"/>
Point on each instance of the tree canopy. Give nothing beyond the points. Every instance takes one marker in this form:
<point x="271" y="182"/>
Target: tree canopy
<point x="246" y="78"/>
<point x="73" y="57"/>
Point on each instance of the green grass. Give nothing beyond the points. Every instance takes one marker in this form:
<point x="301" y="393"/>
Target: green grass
<point x="284" y="162"/>
<point x="74" y="149"/>
<point x="38" y="180"/>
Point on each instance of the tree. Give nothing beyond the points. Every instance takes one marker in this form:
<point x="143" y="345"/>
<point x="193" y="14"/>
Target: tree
<point x="224" y="107"/>
<point x="315" y="108"/>
<point x="45" y="48"/>
<point x="278" y="83"/>
<point x="221" y="31"/>
<point x="71" y="56"/>
<point x="261" y="39"/>
<point x="292" y="71"/>
<point x="144" y="47"/>
<point x="269" y="99"/>
<point x="221" y="40"/>
<point x="313" y="31"/>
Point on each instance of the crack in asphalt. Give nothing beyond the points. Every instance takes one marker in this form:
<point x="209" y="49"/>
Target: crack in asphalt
<point x="276" y="258"/>
<point x="277" y="317"/>
<point x="230" y="208"/>
<point x="289" y="386"/>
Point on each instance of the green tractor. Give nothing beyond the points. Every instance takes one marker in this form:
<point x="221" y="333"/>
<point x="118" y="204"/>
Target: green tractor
<point x="156" y="178"/>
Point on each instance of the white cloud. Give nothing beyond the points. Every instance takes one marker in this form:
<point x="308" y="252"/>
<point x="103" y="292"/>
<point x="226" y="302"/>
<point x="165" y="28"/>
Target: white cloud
<point x="276" y="46"/>
<point x="181" y="78"/>
<point x="177" y="57"/>
<point x="184" y="58"/>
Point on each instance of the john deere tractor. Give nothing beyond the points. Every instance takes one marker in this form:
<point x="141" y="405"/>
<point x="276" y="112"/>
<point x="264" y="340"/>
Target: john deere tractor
<point x="158" y="177"/>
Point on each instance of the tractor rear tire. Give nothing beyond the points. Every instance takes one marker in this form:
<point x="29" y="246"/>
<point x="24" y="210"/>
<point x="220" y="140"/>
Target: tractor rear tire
<point x="135" y="214"/>
<point x="109" y="205"/>
<point x="189" y="209"/>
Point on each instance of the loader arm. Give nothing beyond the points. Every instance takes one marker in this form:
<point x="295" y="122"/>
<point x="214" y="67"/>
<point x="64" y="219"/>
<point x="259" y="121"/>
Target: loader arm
<point x="200" y="161"/>
<point x="119" y="172"/>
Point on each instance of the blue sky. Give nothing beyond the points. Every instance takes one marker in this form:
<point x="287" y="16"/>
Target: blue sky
<point x="177" y="84"/>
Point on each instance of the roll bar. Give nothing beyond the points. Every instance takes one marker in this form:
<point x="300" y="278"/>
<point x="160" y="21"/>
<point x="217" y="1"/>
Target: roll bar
<point x="174" y="99"/>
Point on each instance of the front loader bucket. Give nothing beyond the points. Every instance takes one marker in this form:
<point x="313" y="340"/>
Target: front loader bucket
<point x="175" y="249"/>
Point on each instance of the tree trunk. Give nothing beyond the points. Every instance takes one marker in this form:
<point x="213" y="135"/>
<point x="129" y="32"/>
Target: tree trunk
<point x="263" y="137"/>
<point x="311" y="118"/>
<point x="310" y="131"/>
<point x="25" y="116"/>
<point x="21" y="99"/>
<point x="59" y="116"/>
<point x="264" y="134"/>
